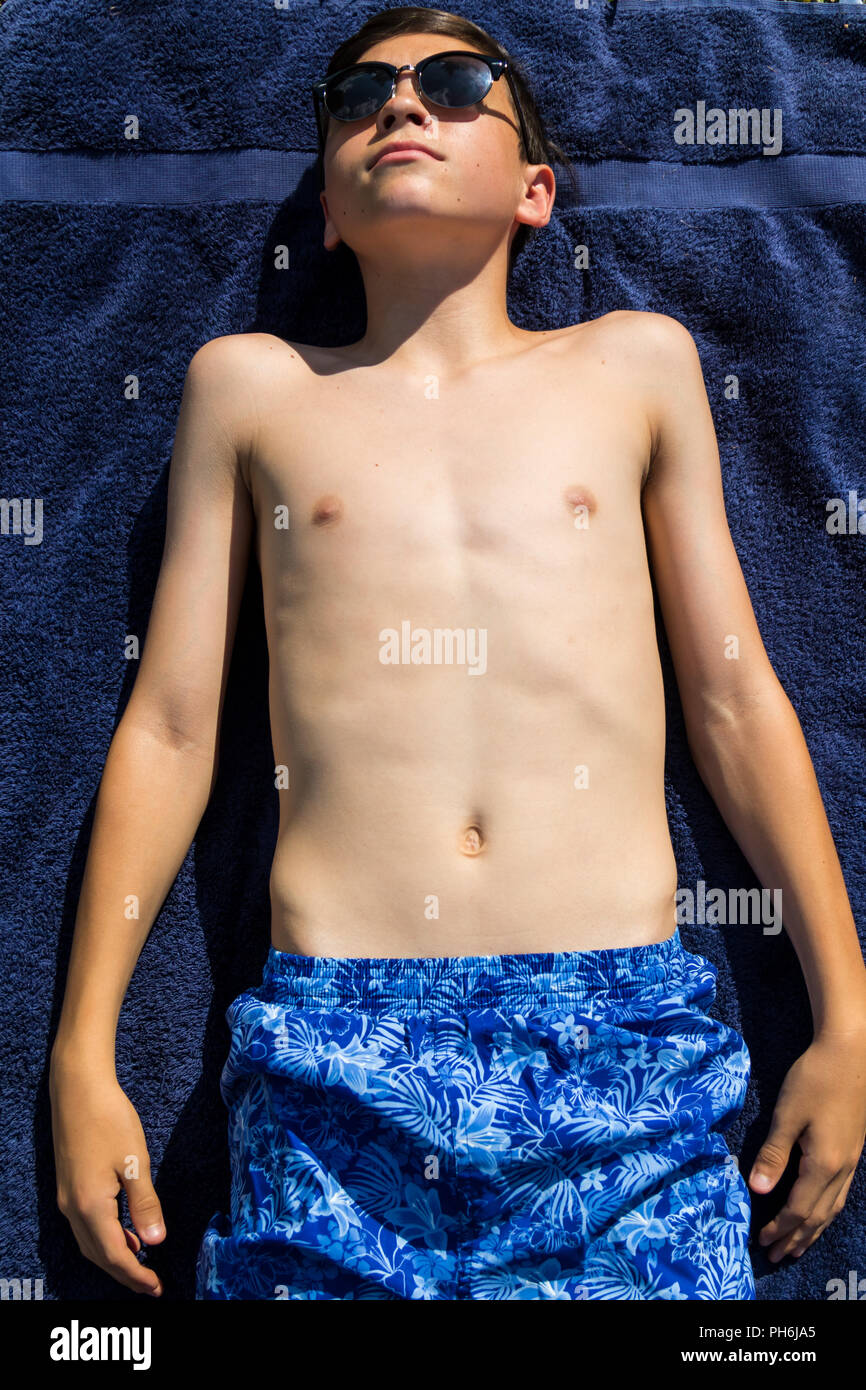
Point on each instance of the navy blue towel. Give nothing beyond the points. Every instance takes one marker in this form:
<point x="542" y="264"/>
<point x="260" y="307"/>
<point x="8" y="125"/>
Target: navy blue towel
<point x="153" y="159"/>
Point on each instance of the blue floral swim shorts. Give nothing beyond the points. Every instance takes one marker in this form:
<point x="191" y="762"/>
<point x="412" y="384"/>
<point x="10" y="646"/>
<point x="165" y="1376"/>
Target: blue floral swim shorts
<point x="482" y="1127"/>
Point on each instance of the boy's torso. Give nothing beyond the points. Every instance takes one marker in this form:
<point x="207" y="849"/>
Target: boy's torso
<point x="503" y="791"/>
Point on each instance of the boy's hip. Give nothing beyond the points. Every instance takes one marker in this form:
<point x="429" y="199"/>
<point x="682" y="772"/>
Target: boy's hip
<point x="616" y="1032"/>
<point x="464" y="1126"/>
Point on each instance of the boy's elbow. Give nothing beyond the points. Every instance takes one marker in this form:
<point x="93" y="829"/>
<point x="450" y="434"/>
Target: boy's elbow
<point x="183" y="729"/>
<point x="742" y="713"/>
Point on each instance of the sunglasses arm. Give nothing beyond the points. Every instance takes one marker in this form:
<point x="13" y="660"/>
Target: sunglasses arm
<point x="519" y="109"/>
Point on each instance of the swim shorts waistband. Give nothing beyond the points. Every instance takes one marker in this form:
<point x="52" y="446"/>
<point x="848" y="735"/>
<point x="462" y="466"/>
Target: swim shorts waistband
<point x="541" y="979"/>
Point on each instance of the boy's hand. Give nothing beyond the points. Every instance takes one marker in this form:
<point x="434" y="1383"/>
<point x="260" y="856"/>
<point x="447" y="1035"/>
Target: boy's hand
<point x="99" y="1147"/>
<point x="821" y="1106"/>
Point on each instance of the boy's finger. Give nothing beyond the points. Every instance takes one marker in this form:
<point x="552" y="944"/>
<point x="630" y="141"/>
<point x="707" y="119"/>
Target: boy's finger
<point x="109" y="1248"/>
<point x="802" y="1201"/>
<point x="824" y="1213"/>
<point x="801" y="1245"/>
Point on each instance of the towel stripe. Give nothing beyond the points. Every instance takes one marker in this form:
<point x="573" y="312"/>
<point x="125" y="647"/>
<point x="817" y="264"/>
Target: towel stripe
<point x="796" y="7"/>
<point x="164" y="179"/>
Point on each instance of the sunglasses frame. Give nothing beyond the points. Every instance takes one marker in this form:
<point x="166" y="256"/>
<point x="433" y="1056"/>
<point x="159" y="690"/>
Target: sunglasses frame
<point x="497" y="67"/>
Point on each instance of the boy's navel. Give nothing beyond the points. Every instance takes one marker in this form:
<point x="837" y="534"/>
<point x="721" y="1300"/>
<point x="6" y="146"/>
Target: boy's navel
<point x="580" y="500"/>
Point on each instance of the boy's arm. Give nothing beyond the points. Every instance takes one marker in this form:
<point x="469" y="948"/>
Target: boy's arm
<point x="749" y="749"/>
<point x="162" y="761"/>
<point x="743" y="732"/>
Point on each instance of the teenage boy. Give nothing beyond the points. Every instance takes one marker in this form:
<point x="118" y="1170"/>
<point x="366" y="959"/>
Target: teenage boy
<point x="480" y="1063"/>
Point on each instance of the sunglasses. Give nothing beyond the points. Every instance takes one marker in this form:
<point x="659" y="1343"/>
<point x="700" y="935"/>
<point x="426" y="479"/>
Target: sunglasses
<point x="453" y="79"/>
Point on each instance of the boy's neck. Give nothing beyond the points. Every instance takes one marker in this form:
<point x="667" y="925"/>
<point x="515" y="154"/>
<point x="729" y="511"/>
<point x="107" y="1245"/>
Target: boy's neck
<point x="438" y="320"/>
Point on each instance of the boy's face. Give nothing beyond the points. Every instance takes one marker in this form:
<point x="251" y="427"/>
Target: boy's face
<point x="473" y="175"/>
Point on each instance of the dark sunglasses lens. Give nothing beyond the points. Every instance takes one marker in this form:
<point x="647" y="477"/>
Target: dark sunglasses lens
<point x="358" y="94"/>
<point x="456" y="81"/>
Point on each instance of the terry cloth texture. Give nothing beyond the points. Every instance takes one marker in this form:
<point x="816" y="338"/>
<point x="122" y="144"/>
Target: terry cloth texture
<point x="157" y="189"/>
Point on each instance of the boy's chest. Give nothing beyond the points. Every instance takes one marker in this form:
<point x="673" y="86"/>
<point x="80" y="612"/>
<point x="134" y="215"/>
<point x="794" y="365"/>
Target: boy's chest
<point x="519" y="465"/>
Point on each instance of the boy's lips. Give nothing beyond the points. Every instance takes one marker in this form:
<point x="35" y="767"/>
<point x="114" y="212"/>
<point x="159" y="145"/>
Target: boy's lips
<point x="401" y="147"/>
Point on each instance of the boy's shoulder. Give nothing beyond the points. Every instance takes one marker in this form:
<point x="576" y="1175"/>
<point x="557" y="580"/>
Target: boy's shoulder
<point x="640" y="342"/>
<point x="643" y="327"/>
<point x="237" y="367"/>
<point x="234" y="348"/>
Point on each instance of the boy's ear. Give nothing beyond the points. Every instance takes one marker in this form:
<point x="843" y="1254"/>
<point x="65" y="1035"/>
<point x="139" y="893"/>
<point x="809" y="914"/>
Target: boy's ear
<point x="331" y="237"/>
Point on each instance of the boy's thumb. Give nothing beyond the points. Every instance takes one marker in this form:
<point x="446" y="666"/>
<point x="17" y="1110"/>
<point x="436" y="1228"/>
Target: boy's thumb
<point x="772" y="1158"/>
<point x="145" y="1210"/>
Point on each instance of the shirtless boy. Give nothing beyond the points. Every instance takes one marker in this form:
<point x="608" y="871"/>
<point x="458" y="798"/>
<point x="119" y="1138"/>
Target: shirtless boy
<point x="480" y="1063"/>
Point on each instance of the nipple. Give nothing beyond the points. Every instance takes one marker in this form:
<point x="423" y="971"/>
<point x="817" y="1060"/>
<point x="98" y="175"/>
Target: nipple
<point x="327" y="510"/>
<point x="472" y="840"/>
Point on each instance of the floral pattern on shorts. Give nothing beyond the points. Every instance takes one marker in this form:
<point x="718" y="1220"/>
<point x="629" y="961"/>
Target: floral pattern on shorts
<point x="528" y="1126"/>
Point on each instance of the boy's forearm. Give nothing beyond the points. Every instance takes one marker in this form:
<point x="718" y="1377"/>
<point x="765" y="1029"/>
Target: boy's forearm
<point x="758" y="770"/>
<point x="151" y="799"/>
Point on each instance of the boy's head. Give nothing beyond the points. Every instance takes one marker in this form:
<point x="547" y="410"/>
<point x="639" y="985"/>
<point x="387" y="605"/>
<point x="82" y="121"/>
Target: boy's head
<point x="480" y="165"/>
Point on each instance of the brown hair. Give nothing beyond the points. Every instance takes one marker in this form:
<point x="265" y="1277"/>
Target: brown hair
<point x="415" y="19"/>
